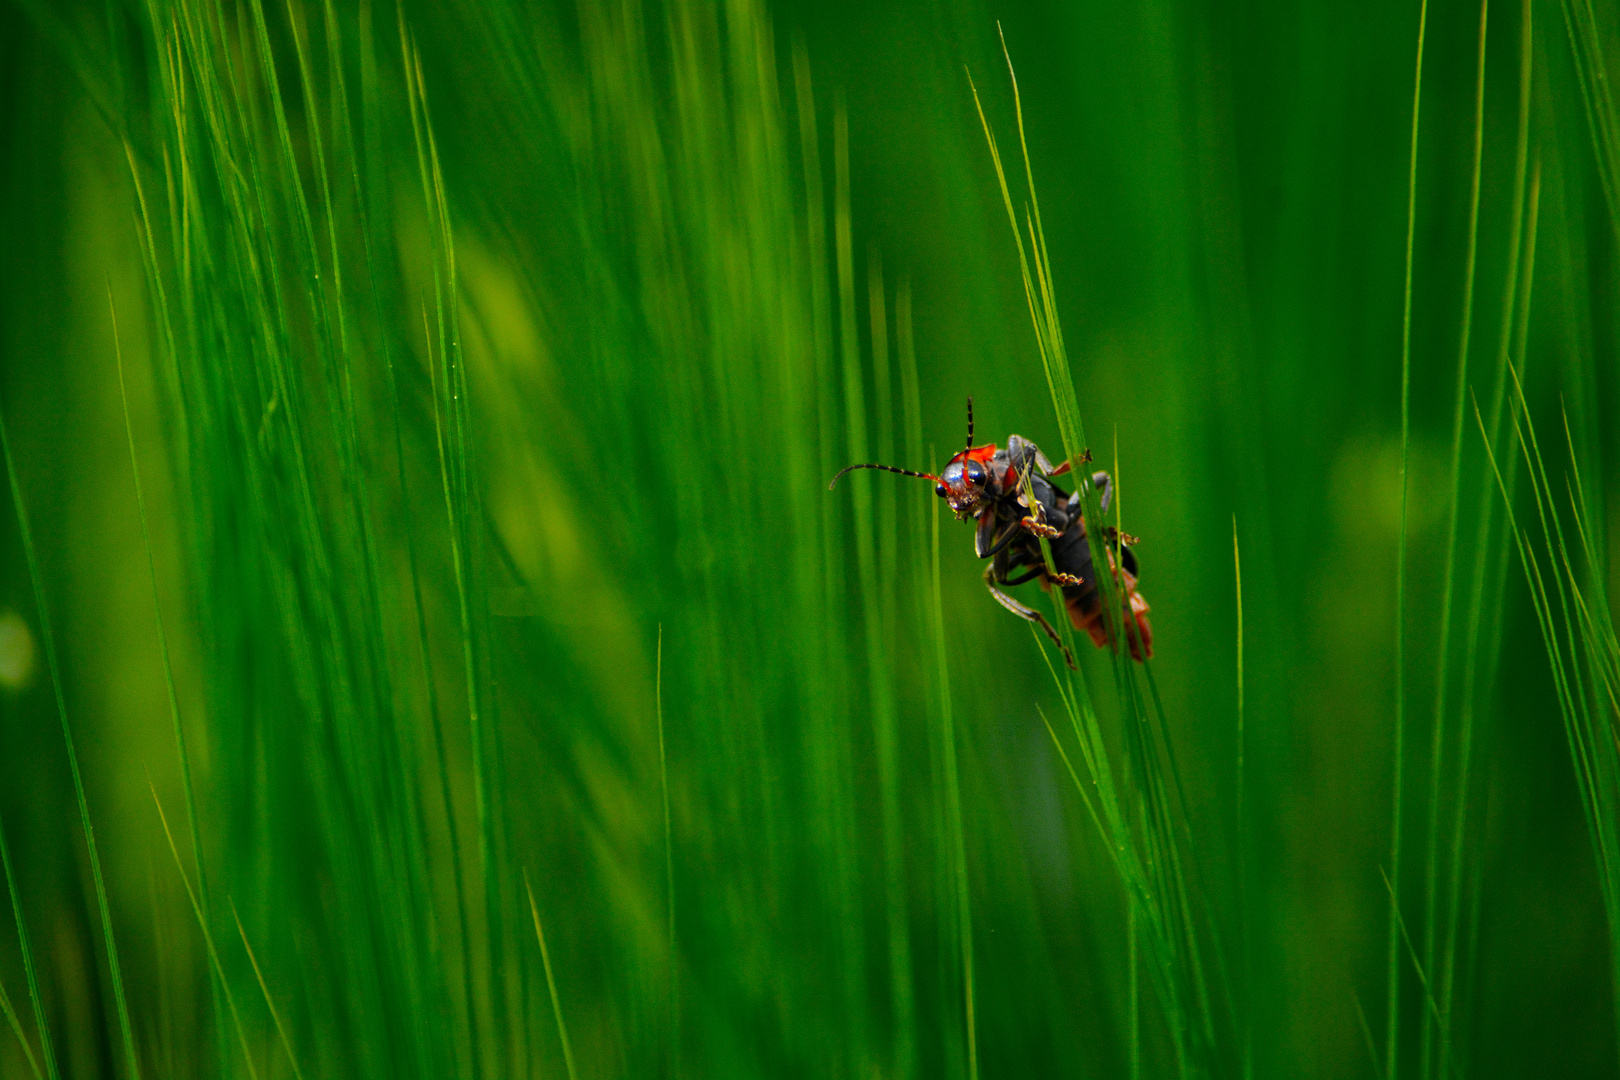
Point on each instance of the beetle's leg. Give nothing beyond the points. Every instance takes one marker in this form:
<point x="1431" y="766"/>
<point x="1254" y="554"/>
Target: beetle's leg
<point x="1040" y="571"/>
<point x="1031" y="576"/>
<point x="1000" y="542"/>
<point x="1085" y="459"/>
<point x="1040" y="528"/>
<point x="1027" y="614"/>
<point x="1114" y="536"/>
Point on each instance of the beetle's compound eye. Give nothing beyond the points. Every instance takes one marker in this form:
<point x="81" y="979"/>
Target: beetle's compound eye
<point x="974" y="474"/>
<point x="939" y="489"/>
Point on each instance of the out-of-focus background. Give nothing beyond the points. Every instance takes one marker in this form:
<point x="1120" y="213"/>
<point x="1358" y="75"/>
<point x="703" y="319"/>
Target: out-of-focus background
<point x="483" y="366"/>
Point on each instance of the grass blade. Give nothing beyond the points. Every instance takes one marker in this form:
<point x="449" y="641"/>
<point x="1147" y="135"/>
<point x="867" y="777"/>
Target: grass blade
<point x="114" y="969"/>
<point x="269" y="1002"/>
<point x="1392" y="956"/>
<point x="16" y="1029"/>
<point x="24" y="948"/>
<point x="551" y="982"/>
<point x="208" y="937"/>
<point x="1438" y="741"/>
<point x="669" y="875"/>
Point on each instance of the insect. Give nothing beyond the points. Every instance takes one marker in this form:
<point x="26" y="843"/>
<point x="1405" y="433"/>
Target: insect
<point x="1010" y="495"/>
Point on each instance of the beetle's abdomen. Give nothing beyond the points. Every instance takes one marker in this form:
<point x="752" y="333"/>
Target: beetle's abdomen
<point x="1071" y="554"/>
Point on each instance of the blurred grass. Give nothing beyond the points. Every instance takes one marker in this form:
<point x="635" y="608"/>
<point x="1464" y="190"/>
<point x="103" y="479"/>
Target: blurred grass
<point x="534" y="709"/>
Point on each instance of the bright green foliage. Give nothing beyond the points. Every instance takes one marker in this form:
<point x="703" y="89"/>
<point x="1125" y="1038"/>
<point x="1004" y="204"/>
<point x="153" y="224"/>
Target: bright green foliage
<point x="1141" y="822"/>
<point x="429" y="646"/>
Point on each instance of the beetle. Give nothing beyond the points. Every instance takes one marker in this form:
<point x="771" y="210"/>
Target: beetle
<point x="1008" y="493"/>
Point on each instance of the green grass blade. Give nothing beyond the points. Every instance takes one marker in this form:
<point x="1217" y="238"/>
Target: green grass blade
<point x="469" y="1012"/>
<point x="551" y="982"/>
<point x="1437" y="746"/>
<point x="182" y="756"/>
<point x="1148" y="824"/>
<point x="874" y="532"/>
<point x="669" y="874"/>
<point x="1392" y="955"/>
<point x="1247" y="998"/>
<point x="1515" y="315"/>
<point x="114" y="969"/>
<point x="269" y="1002"/>
<point x="27" y="953"/>
<point x="208" y="937"/>
<point x="17" y="1030"/>
<point x="1592" y="74"/>
<point x="953" y="804"/>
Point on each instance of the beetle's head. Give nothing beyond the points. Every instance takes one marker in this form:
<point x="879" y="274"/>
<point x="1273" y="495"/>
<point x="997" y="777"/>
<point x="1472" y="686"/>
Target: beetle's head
<point x="965" y="484"/>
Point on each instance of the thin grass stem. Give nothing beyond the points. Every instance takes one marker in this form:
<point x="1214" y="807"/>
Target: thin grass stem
<point x="1438" y="744"/>
<point x="1393" y="985"/>
<point x="208" y="937"/>
<point x="1515" y="309"/>
<point x="1242" y="825"/>
<point x="17" y="1030"/>
<point x="25" y="949"/>
<point x="953" y="804"/>
<point x="264" y="988"/>
<point x="669" y="871"/>
<point x="551" y="982"/>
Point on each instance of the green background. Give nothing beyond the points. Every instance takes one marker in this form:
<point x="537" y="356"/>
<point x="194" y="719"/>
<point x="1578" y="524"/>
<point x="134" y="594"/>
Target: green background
<point x="623" y="342"/>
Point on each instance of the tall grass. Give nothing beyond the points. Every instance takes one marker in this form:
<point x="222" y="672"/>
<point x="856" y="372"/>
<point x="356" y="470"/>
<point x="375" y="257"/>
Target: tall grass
<point x="437" y="523"/>
<point x="1142" y="815"/>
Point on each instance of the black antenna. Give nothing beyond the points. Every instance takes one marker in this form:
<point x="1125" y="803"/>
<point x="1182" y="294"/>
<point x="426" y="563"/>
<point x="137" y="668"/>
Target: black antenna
<point x="885" y="468"/>
<point x="970" y="422"/>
